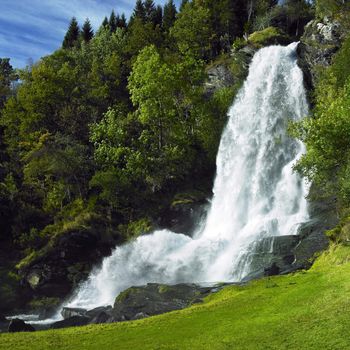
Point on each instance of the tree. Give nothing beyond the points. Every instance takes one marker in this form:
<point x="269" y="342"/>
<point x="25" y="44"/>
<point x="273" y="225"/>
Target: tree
<point x="183" y="3"/>
<point x="140" y="35"/>
<point x="121" y="21"/>
<point x="192" y="31"/>
<point x="139" y="11"/>
<point x="150" y="9"/>
<point x="331" y="7"/>
<point x="71" y="38"/>
<point x="7" y="76"/>
<point x="169" y="16"/>
<point x="157" y="17"/>
<point x="112" y="22"/>
<point x="87" y="33"/>
<point x="104" y="23"/>
<point x="327" y="134"/>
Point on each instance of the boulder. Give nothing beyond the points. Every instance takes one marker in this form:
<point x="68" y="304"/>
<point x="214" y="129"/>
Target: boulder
<point x="98" y="311"/>
<point x="286" y="254"/>
<point x="101" y="317"/>
<point x="272" y="256"/>
<point x="68" y="312"/>
<point x="73" y="321"/>
<point x="153" y="299"/>
<point x="17" y="325"/>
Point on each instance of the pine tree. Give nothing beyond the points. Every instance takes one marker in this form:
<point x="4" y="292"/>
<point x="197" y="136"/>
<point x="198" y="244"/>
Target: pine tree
<point x="87" y="33"/>
<point x="169" y="15"/>
<point x="112" y="22"/>
<point x="157" y="17"/>
<point x="72" y="35"/>
<point x="121" y="21"/>
<point x="183" y="4"/>
<point x="105" y="23"/>
<point x="139" y="11"/>
<point x="150" y="9"/>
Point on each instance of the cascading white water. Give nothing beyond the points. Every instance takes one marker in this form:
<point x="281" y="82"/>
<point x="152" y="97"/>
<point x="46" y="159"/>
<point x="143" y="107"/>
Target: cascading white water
<point x="256" y="193"/>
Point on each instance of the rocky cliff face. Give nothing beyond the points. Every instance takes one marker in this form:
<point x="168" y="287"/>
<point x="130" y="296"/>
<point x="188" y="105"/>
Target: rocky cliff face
<point x="321" y="40"/>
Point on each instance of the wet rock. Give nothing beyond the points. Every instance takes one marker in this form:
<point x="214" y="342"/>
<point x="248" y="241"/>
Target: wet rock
<point x="291" y="253"/>
<point x="17" y="325"/>
<point x="273" y="270"/>
<point x="272" y="255"/>
<point x="73" y="321"/>
<point x="98" y="311"/>
<point x="184" y="213"/>
<point x="154" y="299"/>
<point x="68" y="312"/>
<point x="102" y="317"/>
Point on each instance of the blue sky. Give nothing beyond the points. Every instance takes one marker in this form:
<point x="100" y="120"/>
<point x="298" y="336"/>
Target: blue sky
<point x="30" y="29"/>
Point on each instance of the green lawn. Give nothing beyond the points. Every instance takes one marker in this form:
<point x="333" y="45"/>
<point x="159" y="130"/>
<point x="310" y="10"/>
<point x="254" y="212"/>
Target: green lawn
<point x="307" y="310"/>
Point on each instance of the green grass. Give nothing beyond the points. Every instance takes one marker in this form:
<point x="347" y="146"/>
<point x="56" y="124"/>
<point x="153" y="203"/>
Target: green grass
<point x="307" y="310"/>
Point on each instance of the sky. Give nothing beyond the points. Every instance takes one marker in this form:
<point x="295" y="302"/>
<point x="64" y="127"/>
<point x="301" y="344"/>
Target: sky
<point x="30" y="29"/>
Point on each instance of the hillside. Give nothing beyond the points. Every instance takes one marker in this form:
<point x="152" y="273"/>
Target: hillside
<point x="306" y="310"/>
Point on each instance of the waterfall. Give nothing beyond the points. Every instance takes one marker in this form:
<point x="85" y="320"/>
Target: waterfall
<point x="256" y="193"/>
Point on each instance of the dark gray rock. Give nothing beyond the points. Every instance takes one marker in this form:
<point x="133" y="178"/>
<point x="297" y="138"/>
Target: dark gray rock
<point x="73" y="321"/>
<point x="271" y="256"/>
<point x="184" y="213"/>
<point x="272" y="270"/>
<point x="68" y="312"/>
<point x="68" y="261"/>
<point x="102" y="317"/>
<point x="291" y="253"/>
<point x="98" y="311"/>
<point x="321" y="40"/>
<point x="4" y="324"/>
<point x="17" y="325"/>
<point x="153" y="299"/>
<point x="219" y="76"/>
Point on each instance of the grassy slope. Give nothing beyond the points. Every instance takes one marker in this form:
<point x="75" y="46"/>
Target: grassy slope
<point x="307" y="310"/>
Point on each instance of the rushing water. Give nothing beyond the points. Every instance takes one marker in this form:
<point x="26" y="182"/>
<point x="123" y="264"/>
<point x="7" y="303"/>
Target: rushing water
<point x="256" y="193"/>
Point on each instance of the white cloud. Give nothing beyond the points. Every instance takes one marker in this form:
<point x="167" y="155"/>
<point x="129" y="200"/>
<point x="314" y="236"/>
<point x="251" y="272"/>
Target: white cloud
<point x="33" y="28"/>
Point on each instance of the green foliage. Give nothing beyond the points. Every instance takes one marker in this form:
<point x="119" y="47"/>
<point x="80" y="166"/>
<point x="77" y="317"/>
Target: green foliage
<point x="292" y="16"/>
<point x="87" y="33"/>
<point x="326" y="135"/>
<point x="268" y="36"/>
<point x="71" y="38"/>
<point x="192" y="31"/>
<point x="331" y="7"/>
<point x="136" y="228"/>
<point x="43" y="303"/>
<point x="169" y="15"/>
<point x="7" y="77"/>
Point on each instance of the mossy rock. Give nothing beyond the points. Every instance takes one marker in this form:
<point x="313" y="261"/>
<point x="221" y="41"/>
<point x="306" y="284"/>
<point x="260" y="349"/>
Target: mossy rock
<point x="269" y="36"/>
<point x="188" y="198"/>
